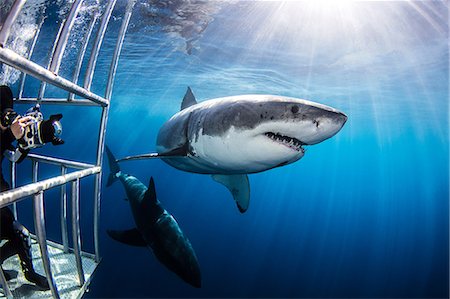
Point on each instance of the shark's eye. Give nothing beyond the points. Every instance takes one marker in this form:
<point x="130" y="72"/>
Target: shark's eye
<point x="294" y="109"/>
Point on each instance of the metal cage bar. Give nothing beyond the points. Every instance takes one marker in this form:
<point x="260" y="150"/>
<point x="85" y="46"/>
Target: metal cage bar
<point x="13" y="185"/>
<point x="76" y="229"/>
<point x="52" y="53"/>
<point x="35" y="171"/>
<point x="97" y="44"/>
<point x="64" y="235"/>
<point x="9" y="21"/>
<point x="39" y="223"/>
<point x="104" y="120"/>
<point x="55" y="101"/>
<point x="59" y="162"/>
<point x="49" y="75"/>
<point x="4" y="284"/>
<point x="30" y="53"/>
<point x="84" y="44"/>
<point x="10" y="196"/>
<point x="64" y="37"/>
<point x="21" y="63"/>
<point x="118" y="49"/>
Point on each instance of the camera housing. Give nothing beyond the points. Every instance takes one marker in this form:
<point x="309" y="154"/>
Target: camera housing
<point x="40" y="131"/>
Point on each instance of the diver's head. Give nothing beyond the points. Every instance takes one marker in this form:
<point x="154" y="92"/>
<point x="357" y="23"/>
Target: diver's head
<point x="6" y="98"/>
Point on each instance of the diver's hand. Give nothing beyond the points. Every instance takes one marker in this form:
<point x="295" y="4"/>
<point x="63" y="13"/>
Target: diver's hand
<point x="18" y="126"/>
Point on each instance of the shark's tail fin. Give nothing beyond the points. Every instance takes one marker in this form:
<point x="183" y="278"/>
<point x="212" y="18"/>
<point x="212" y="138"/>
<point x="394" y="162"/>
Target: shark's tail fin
<point x="113" y="167"/>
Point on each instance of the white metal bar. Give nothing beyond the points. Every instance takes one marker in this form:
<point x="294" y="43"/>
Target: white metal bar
<point x="4" y="284"/>
<point x="98" y="184"/>
<point x="57" y="161"/>
<point x="11" y="196"/>
<point x="39" y="225"/>
<point x="76" y="237"/>
<point x="52" y="53"/>
<point x="30" y="53"/>
<point x="56" y="101"/>
<point x="97" y="44"/>
<point x="13" y="59"/>
<point x="35" y="169"/>
<point x="97" y="202"/>
<point x="9" y="21"/>
<point x="13" y="185"/>
<point x="81" y="53"/>
<point x="118" y="49"/>
<point x="64" y="37"/>
<point x="64" y="235"/>
<point x="104" y="120"/>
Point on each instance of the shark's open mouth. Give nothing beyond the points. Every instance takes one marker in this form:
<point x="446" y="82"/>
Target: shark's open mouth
<point x="290" y="142"/>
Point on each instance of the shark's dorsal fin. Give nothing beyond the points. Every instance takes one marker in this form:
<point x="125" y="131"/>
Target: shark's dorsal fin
<point x="188" y="100"/>
<point x="130" y="237"/>
<point x="150" y="204"/>
<point x="150" y="194"/>
<point x="238" y="186"/>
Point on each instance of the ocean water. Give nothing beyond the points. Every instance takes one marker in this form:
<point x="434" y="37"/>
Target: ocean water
<point x="363" y="214"/>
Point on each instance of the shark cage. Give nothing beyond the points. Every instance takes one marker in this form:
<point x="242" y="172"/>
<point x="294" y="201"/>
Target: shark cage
<point x="68" y="270"/>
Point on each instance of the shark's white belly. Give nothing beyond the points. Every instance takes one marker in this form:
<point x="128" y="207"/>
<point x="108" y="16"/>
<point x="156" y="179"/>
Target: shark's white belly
<point x="237" y="152"/>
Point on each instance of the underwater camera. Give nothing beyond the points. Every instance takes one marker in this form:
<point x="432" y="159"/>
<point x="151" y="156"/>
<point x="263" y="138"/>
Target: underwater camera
<point x="41" y="131"/>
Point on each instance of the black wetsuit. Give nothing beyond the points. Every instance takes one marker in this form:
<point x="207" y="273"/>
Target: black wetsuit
<point x="6" y="217"/>
<point x="8" y="228"/>
<point x="7" y="139"/>
<point x="17" y="236"/>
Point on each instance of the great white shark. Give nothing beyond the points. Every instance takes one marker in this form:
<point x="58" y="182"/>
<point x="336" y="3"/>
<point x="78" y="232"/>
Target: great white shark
<point x="231" y="137"/>
<point x="155" y="227"/>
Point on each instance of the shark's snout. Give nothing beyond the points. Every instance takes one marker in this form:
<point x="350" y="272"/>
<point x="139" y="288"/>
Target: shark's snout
<point x="342" y="118"/>
<point x="324" y="125"/>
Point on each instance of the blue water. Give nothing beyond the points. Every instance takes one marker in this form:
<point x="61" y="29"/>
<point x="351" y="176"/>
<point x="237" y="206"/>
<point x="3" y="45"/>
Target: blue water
<point x="363" y="214"/>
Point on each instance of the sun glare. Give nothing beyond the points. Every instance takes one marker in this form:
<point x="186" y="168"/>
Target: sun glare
<point x="328" y="4"/>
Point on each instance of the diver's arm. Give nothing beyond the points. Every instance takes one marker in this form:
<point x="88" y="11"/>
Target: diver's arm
<point x="17" y="129"/>
<point x="9" y="151"/>
<point x="7" y="139"/>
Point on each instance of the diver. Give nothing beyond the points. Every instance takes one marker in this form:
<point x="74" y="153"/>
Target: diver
<point x="17" y="236"/>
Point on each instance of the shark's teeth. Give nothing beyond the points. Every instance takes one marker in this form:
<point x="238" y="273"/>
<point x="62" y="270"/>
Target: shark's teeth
<point x="291" y="142"/>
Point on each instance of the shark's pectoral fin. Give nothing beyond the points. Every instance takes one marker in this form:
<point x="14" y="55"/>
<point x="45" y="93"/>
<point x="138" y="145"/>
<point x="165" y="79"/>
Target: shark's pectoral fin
<point x="130" y="237"/>
<point x="239" y="187"/>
